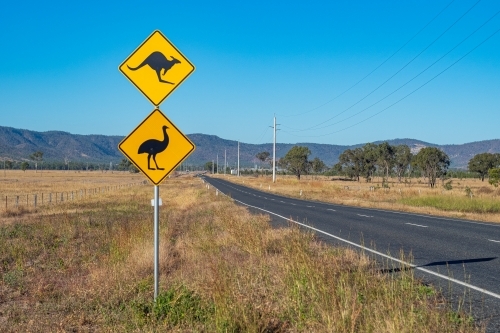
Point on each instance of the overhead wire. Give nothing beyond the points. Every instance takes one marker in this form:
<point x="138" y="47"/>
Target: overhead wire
<point x="409" y="94"/>
<point x="413" y="78"/>
<point x="380" y="65"/>
<point x="393" y="75"/>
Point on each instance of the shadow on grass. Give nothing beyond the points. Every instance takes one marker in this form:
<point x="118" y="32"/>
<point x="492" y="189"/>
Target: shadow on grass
<point x="438" y="263"/>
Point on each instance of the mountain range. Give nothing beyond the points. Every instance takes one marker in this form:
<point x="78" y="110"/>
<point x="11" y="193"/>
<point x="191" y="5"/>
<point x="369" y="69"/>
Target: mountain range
<point x="18" y="144"/>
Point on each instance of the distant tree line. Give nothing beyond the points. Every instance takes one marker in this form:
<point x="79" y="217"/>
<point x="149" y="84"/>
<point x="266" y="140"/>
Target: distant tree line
<point x="39" y="164"/>
<point x="386" y="161"/>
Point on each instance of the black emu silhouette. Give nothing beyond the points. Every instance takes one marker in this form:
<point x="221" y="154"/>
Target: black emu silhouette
<point x="153" y="147"/>
<point x="157" y="61"/>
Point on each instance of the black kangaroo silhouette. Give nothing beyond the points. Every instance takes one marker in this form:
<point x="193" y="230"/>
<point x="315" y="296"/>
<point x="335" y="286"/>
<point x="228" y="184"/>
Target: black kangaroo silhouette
<point x="157" y="61"/>
<point x="153" y="147"/>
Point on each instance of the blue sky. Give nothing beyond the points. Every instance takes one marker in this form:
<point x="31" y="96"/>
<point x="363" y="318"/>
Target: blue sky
<point x="59" y="68"/>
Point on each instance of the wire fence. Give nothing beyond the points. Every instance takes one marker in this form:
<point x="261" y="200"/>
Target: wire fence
<point x="35" y="200"/>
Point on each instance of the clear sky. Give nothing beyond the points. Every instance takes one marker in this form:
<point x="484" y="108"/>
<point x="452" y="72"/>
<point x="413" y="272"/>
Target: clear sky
<point x="332" y="71"/>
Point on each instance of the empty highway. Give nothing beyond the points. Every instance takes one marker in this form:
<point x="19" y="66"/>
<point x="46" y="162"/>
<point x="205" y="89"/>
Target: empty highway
<point x="461" y="257"/>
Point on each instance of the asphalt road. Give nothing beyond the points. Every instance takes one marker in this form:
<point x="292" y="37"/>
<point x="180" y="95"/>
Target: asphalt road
<point x="460" y="257"/>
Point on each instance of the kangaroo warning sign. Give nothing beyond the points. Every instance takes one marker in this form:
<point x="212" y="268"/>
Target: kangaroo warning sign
<point x="156" y="147"/>
<point x="156" y="67"/>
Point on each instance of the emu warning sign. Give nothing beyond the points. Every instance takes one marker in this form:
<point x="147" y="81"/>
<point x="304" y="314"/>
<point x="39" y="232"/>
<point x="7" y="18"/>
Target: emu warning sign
<point x="156" y="147"/>
<point x="156" y="67"/>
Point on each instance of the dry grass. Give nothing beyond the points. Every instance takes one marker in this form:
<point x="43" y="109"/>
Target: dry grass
<point x="17" y="182"/>
<point x="414" y="197"/>
<point x="23" y="192"/>
<point x="87" y="266"/>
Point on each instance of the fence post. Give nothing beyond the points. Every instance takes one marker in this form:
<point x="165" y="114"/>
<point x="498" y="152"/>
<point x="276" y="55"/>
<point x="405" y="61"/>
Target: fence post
<point x="5" y="202"/>
<point x="50" y="198"/>
<point x="35" y="200"/>
<point x="56" y="197"/>
<point x="17" y="201"/>
<point x="27" y="200"/>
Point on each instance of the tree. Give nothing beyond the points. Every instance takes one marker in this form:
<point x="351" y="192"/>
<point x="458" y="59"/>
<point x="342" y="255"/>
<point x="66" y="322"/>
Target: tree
<point x="37" y="157"/>
<point x="433" y="162"/>
<point x="385" y="158"/>
<point x="25" y="165"/>
<point x="318" y="165"/>
<point x="370" y="157"/>
<point x="126" y="165"/>
<point x="9" y="164"/>
<point x="351" y="163"/>
<point x="494" y="176"/>
<point x="481" y="163"/>
<point x="263" y="156"/>
<point x="208" y="166"/>
<point x="296" y="160"/>
<point x="402" y="160"/>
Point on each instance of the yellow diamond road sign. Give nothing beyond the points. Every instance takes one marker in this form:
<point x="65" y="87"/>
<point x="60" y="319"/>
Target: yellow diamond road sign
<point x="156" y="147"/>
<point x="156" y="67"/>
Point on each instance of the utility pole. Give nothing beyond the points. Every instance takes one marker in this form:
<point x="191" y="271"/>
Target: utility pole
<point x="213" y="167"/>
<point x="217" y="163"/>
<point x="274" y="151"/>
<point x="225" y="166"/>
<point x="238" y="158"/>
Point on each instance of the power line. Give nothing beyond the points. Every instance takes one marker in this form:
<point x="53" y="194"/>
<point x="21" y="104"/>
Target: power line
<point x="367" y="75"/>
<point x="411" y="93"/>
<point x="397" y="72"/>
<point x="413" y="78"/>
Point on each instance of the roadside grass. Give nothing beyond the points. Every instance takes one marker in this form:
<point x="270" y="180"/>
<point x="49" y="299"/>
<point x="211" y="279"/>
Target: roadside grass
<point x="87" y="266"/>
<point x="457" y="204"/>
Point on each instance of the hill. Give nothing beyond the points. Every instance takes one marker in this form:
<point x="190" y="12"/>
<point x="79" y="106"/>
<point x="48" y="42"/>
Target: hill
<point x="18" y="144"/>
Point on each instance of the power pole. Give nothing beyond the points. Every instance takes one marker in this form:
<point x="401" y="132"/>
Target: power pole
<point x="212" y="167"/>
<point x="225" y="166"/>
<point x="217" y="163"/>
<point x="274" y="151"/>
<point x="238" y="158"/>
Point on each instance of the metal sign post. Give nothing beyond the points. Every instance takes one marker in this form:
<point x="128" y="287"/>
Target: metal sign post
<point x="145" y="147"/>
<point x="157" y="237"/>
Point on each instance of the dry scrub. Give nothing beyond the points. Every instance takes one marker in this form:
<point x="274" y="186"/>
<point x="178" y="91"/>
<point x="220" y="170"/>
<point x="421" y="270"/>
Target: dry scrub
<point x="88" y="266"/>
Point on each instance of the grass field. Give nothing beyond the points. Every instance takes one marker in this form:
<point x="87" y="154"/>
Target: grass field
<point x="417" y="197"/>
<point x="87" y="265"/>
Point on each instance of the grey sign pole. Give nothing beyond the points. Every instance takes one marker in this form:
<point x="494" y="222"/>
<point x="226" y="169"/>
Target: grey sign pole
<point x="157" y="229"/>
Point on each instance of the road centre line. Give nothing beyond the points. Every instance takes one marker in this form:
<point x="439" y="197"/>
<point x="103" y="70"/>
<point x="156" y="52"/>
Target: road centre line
<point x="404" y="213"/>
<point x="364" y="215"/>
<point x="492" y="240"/>
<point x="484" y="291"/>
<point x="418" y="225"/>
<point x="333" y="210"/>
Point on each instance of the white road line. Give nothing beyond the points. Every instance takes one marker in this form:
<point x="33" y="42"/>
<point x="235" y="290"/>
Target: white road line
<point x="492" y="240"/>
<point x="364" y="215"/>
<point x="411" y="214"/>
<point x="418" y="225"/>
<point x="333" y="210"/>
<point x="293" y="204"/>
<point x="310" y="206"/>
<point x="282" y="201"/>
<point x="484" y="291"/>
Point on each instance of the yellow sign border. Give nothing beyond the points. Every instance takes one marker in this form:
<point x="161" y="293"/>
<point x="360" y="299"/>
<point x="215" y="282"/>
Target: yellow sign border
<point x="137" y="48"/>
<point x="175" y="166"/>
